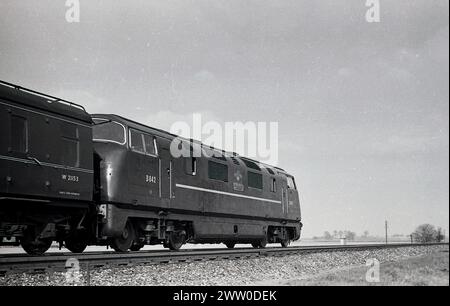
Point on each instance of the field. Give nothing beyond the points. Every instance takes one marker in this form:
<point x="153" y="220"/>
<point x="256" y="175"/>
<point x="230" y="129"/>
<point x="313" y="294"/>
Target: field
<point x="426" y="270"/>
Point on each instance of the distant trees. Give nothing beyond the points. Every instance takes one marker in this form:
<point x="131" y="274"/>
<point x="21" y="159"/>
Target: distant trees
<point x="350" y="235"/>
<point x="339" y="234"/>
<point x="327" y="235"/>
<point x="427" y="233"/>
<point x="422" y="234"/>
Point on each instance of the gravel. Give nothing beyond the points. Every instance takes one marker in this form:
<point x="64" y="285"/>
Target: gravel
<point x="220" y="272"/>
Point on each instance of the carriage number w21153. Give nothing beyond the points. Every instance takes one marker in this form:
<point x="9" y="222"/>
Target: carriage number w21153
<point x="70" y="178"/>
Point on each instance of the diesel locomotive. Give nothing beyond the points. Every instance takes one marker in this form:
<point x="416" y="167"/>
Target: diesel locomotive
<point x="81" y="179"/>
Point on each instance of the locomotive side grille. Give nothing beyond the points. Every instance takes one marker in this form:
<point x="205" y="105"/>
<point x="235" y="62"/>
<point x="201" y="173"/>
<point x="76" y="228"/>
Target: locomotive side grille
<point x="251" y="164"/>
<point x="235" y="161"/>
<point x="270" y="171"/>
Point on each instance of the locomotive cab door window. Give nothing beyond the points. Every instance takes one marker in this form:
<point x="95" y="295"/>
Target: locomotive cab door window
<point x="191" y="165"/>
<point x="19" y="134"/>
<point x="137" y="142"/>
<point x="150" y="145"/>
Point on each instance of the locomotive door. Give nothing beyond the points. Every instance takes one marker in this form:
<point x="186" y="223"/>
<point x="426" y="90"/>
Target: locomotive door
<point x="165" y="176"/>
<point x="142" y="168"/>
<point x="292" y="196"/>
<point x="284" y="198"/>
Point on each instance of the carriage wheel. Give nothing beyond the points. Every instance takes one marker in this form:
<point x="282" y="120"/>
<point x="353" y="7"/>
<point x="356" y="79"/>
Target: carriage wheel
<point x="76" y="242"/>
<point x="260" y="244"/>
<point x="34" y="245"/>
<point x="230" y="244"/>
<point x="263" y="243"/>
<point x="125" y="241"/>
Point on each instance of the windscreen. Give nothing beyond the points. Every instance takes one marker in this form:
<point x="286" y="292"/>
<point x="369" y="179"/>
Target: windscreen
<point x="105" y="130"/>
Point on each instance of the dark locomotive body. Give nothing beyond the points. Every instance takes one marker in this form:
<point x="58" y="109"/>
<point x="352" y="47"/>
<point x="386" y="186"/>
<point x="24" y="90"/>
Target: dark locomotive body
<point x="214" y="197"/>
<point x="103" y="179"/>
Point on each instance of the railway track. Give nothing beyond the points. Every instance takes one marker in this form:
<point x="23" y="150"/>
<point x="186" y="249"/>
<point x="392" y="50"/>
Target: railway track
<point x="22" y="263"/>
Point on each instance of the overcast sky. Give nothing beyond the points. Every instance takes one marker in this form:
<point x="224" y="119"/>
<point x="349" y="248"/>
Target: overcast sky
<point x="362" y="107"/>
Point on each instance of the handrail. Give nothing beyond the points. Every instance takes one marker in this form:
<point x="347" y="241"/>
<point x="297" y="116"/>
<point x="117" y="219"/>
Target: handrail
<point x="52" y="98"/>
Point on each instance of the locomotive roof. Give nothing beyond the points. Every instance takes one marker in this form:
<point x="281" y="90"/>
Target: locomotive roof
<point x="170" y="136"/>
<point x="35" y="99"/>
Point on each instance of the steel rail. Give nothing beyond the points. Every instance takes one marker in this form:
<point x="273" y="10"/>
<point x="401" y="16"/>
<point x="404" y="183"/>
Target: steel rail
<point x="22" y="263"/>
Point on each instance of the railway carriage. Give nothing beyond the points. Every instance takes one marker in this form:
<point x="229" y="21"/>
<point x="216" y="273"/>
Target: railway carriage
<point x="102" y="179"/>
<point x="46" y="168"/>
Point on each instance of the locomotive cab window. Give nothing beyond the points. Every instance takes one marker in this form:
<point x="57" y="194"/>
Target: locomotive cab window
<point x="142" y="143"/>
<point x="19" y="134"/>
<point x="291" y="183"/>
<point x="217" y="171"/>
<point x="105" y="130"/>
<point x="255" y="180"/>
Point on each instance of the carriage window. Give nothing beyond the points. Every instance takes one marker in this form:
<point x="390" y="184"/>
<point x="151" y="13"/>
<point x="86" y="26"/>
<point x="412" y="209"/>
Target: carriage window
<point x="255" y="180"/>
<point x="291" y="182"/>
<point x="19" y="134"/>
<point x="191" y="165"/>
<point x="273" y="185"/>
<point x="70" y="145"/>
<point x="137" y="141"/>
<point x="106" y="130"/>
<point x="150" y="145"/>
<point x="217" y="171"/>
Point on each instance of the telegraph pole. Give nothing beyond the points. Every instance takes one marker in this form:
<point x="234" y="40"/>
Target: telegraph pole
<point x="386" y="230"/>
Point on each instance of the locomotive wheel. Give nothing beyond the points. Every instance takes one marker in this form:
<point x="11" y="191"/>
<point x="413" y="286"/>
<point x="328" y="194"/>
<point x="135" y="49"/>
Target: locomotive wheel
<point x="125" y="241"/>
<point x="176" y="240"/>
<point x="34" y="245"/>
<point x="230" y="244"/>
<point x="260" y="244"/>
<point x="285" y="242"/>
<point x="263" y="243"/>
<point x="76" y="243"/>
<point x="136" y="247"/>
